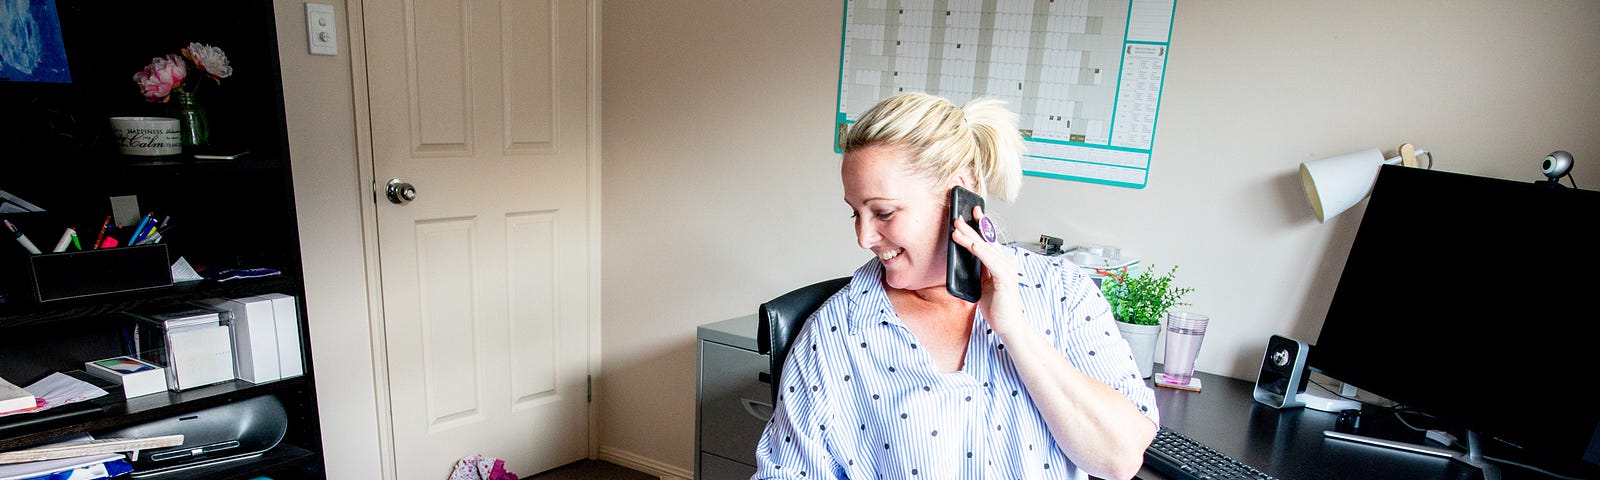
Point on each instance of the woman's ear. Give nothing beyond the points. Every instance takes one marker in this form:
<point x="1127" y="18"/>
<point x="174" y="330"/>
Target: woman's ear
<point x="966" y="181"/>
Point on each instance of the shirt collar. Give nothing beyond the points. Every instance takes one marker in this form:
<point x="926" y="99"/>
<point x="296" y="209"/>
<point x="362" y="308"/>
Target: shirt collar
<point x="869" y="302"/>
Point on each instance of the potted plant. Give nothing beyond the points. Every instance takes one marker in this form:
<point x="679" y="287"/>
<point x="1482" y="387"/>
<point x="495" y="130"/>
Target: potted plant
<point x="1138" y="303"/>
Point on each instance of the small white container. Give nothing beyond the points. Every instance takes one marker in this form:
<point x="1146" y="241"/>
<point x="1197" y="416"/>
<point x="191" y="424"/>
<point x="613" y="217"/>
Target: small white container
<point x="137" y="377"/>
<point x="255" y="337"/>
<point x="147" y="136"/>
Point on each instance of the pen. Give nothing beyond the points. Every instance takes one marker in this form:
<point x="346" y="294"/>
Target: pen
<point x="138" y="230"/>
<point x="66" y="239"/>
<point x="156" y="236"/>
<point x="102" y="236"/>
<point x="143" y="236"/>
<point x="22" y="239"/>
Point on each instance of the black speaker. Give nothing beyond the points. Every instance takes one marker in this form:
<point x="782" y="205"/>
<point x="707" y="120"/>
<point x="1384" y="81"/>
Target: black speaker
<point x="1283" y="373"/>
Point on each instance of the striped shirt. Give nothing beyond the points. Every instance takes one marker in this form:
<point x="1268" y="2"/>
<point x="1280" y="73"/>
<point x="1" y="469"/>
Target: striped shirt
<point x="858" y="398"/>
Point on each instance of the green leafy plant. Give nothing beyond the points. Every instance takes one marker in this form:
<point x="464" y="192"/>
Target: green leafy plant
<point x="1143" y="298"/>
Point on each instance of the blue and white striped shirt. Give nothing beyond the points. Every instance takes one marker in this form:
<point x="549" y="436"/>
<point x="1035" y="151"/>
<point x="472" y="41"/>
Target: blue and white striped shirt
<point x="860" y="400"/>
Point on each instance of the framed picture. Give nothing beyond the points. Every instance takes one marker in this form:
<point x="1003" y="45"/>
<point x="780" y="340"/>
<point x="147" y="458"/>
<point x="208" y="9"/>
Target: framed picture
<point x="32" y="50"/>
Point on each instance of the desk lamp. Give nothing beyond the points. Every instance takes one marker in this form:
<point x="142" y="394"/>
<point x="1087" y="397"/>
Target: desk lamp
<point x="1335" y="184"/>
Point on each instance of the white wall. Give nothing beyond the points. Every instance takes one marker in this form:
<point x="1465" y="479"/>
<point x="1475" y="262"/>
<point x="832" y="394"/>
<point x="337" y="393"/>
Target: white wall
<point x="721" y="191"/>
<point x="320" y="112"/>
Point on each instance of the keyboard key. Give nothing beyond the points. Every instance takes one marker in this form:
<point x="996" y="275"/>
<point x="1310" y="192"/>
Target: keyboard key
<point x="1181" y="457"/>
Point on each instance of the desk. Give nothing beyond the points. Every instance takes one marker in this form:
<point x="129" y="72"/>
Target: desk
<point x="733" y="407"/>
<point x="1288" y="444"/>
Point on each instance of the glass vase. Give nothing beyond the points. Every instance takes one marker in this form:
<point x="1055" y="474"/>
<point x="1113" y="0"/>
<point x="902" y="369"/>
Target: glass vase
<point x="195" y="128"/>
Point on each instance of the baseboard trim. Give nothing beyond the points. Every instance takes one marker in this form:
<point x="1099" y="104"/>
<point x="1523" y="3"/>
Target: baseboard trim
<point x="643" y="464"/>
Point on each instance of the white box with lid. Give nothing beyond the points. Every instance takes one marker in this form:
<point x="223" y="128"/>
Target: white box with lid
<point x="286" y="314"/>
<point x="255" y="337"/>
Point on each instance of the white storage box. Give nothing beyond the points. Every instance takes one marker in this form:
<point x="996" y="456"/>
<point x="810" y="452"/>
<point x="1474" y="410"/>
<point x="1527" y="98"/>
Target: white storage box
<point x="286" y="313"/>
<point x="137" y="377"/>
<point x="255" y="337"/>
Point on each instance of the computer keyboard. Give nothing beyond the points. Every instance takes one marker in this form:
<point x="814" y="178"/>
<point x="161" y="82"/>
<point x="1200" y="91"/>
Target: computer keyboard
<point x="1183" y="458"/>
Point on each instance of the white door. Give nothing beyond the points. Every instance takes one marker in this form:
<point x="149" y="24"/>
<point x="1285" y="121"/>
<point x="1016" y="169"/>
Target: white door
<point x="483" y="107"/>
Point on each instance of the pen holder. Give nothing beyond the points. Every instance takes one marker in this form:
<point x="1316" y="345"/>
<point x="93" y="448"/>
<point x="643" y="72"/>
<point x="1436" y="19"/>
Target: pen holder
<point x="62" y="276"/>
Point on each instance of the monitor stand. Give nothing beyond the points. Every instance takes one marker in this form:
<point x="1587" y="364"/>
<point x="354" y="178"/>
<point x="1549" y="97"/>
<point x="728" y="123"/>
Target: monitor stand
<point x="1473" y="455"/>
<point x="1316" y="401"/>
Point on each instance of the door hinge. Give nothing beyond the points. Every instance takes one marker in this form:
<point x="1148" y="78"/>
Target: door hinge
<point x="590" y="395"/>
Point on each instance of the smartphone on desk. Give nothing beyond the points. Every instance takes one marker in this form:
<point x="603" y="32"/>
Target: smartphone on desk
<point x="963" y="274"/>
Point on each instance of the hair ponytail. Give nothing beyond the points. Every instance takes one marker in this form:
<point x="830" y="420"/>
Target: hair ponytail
<point x="997" y="165"/>
<point x="944" y="141"/>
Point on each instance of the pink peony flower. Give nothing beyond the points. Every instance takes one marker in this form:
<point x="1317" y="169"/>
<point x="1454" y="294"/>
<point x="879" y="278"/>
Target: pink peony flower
<point x="208" y="59"/>
<point x="161" y="77"/>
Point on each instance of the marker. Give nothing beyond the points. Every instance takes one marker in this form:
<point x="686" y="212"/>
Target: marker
<point x="22" y="239"/>
<point x="66" y="239"/>
<point x="102" y="236"/>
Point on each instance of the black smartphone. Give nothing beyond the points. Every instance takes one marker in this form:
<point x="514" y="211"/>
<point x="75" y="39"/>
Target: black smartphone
<point x="963" y="274"/>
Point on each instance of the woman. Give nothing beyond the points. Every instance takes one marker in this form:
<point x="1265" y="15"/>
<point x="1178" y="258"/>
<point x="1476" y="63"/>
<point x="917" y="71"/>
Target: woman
<point x="895" y="378"/>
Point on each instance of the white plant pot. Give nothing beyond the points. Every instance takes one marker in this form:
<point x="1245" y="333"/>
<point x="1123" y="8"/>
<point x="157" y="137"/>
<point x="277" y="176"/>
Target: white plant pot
<point x="1142" y="340"/>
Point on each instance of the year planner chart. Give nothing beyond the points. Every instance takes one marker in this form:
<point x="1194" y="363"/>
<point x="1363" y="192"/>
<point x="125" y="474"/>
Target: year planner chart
<point x="1084" y="75"/>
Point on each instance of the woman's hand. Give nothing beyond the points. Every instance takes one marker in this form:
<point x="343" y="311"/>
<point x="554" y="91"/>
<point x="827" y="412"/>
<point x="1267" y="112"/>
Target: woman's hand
<point x="1000" y="302"/>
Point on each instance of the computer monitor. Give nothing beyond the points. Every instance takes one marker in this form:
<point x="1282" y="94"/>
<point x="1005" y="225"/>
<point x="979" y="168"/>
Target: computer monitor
<point x="1474" y="299"/>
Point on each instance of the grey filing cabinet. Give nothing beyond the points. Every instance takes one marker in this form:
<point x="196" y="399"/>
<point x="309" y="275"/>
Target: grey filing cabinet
<point x="733" y="403"/>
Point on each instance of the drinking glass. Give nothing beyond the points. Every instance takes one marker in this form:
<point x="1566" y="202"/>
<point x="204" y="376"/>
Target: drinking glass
<point x="1185" y="330"/>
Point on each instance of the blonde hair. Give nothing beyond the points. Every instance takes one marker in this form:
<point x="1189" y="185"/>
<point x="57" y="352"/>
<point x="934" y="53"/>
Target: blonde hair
<point x="980" y="139"/>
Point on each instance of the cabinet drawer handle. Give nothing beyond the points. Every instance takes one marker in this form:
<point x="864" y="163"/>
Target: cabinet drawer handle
<point x="761" y="410"/>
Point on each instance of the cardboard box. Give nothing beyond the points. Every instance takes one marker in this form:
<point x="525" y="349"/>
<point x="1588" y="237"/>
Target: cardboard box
<point x="255" y="337"/>
<point x="137" y="377"/>
<point x="286" y="314"/>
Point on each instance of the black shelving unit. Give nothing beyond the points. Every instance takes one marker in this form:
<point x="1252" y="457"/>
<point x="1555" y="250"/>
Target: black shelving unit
<point x="236" y="213"/>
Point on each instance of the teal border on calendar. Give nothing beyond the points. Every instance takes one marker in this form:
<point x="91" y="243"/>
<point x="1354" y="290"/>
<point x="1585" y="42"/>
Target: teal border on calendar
<point x="841" y="121"/>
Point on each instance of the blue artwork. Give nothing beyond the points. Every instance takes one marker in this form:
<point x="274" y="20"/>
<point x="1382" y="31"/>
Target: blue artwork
<point x="30" y="42"/>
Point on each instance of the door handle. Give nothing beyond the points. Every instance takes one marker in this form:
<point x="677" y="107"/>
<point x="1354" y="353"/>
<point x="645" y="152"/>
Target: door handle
<point x="400" y="192"/>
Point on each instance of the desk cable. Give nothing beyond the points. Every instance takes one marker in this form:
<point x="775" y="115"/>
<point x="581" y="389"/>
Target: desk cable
<point x="1446" y="438"/>
<point x="1438" y="435"/>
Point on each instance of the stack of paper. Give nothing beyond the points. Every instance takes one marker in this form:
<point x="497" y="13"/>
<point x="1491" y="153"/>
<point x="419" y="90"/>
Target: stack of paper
<point x="55" y="390"/>
<point x="80" y="455"/>
<point x="13" y="204"/>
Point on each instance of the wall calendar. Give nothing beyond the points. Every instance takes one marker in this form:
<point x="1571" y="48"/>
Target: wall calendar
<point x="1084" y="75"/>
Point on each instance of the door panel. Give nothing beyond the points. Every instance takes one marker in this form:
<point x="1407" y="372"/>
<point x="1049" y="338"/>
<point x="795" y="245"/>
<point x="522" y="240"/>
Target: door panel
<point x="483" y="107"/>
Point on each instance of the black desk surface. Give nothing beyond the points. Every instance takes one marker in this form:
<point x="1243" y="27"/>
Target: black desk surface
<point x="1287" y="444"/>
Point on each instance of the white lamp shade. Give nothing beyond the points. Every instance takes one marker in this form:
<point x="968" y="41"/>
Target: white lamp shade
<point x="1335" y="184"/>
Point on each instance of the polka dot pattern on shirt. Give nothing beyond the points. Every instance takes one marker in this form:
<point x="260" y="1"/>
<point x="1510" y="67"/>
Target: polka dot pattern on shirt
<point x="929" y="423"/>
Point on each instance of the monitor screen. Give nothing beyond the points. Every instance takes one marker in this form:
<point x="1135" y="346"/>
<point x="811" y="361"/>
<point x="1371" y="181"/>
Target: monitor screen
<point x="1469" y="298"/>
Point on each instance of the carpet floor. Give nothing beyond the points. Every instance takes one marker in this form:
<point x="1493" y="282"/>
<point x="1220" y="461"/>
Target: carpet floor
<point x="592" y="469"/>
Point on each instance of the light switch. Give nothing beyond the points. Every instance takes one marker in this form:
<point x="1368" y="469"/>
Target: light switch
<point x="321" y="33"/>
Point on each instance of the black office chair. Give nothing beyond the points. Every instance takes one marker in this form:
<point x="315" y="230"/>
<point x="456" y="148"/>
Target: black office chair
<point x="782" y="317"/>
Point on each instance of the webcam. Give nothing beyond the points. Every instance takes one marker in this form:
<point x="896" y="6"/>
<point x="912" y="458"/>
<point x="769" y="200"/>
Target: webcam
<point x="1557" y="164"/>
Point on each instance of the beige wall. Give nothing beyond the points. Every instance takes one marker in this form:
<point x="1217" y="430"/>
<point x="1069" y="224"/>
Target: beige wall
<point x="721" y="191"/>
<point x="319" y="109"/>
